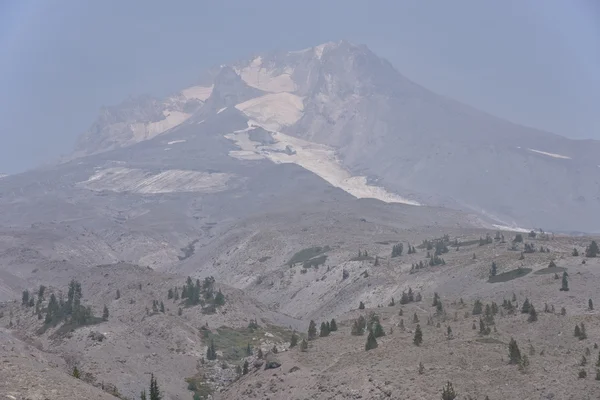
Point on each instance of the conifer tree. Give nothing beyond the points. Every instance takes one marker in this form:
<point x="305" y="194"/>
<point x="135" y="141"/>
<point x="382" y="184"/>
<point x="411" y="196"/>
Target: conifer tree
<point x="418" y="338"/>
<point x="312" y="330"/>
<point x="118" y="295"/>
<point x="436" y="297"/>
<point x="514" y="354"/>
<point x="143" y="395"/>
<point x="415" y="319"/>
<point x="304" y="345"/>
<point x="590" y="305"/>
<point x="245" y="368"/>
<point x="324" y="331"/>
<point x="494" y="269"/>
<point x="219" y="298"/>
<point x="105" y="313"/>
<point x="592" y="250"/>
<point x="259" y="353"/>
<point x="293" y="340"/>
<point x="565" y="282"/>
<point x="25" y="298"/>
<point x="525" y="307"/>
<point x="378" y="330"/>
<point x="154" y="390"/>
<point x="575" y="253"/>
<point x="75" y="373"/>
<point x="477" y="307"/>
<point x="532" y="314"/>
<point x="361" y="306"/>
<point x="211" y="352"/>
<point x="371" y="341"/>
<point x="333" y="325"/>
<point x="448" y="392"/>
<point x="170" y="294"/>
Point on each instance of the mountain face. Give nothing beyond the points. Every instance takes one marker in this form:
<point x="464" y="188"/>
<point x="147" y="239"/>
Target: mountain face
<point x="374" y="125"/>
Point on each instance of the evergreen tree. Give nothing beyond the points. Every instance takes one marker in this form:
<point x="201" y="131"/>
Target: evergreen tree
<point x="143" y="395"/>
<point x="180" y="311"/>
<point x="219" y="298"/>
<point x="293" y="340"/>
<point x="397" y="250"/>
<point x="404" y="298"/>
<point x="525" y="307"/>
<point x="75" y="373"/>
<point x="436" y="297"/>
<point x="105" y="313"/>
<point x="378" y="330"/>
<point x="371" y="341"/>
<point x="259" y="353"/>
<point x="41" y="292"/>
<point x="418" y="297"/>
<point x="176" y="294"/>
<point x="565" y="282"/>
<point x="514" y="354"/>
<point x="418" y="338"/>
<point x="376" y="263"/>
<point x="162" y="307"/>
<point x="333" y="325"/>
<point x="324" y="331"/>
<point x="592" y="250"/>
<point x="118" y="295"/>
<point x="590" y="304"/>
<point x="575" y="253"/>
<point x="245" y="368"/>
<point x="494" y="269"/>
<point x="25" y="298"/>
<point x="211" y="352"/>
<point x="392" y="303"/>
<point x="304" y="345"/>
<point x="154" y="390"/>
<point x="448" y="392"/>
<point x="415" y="318"/>
<point x="170" y="294"/>
<point x="312" y="330"/>
<point x="361" y="306"/>
<point x="532" y="314"/>
<point x="477" y="307"/>
<point x="583" y="334"/>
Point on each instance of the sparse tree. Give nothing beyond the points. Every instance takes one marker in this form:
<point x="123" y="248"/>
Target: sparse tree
<point x="371" y="341"/>
<point x="448" y="392"/>
<point x="514" y="354"/>
<point x="565" y="282"/>
<point x="592" y="250"/>
<point x="312" y="330"/>
<point x="418" y="338"/>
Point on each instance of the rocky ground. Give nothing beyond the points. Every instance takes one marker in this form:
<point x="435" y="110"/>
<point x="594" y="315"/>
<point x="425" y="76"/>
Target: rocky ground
<point x="120" y="354"/>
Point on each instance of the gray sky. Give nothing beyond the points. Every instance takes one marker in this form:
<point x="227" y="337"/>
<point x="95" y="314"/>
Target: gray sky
<point x="533" y="62"/>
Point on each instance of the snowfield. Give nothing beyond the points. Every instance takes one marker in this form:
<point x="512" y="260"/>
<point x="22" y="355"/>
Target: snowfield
<point x="317" y="158"/>
<point x="176" y="141"/>
<point x="143" y="131"/>
<point x="550" y="154"/>
<point x="118" y="179"/>
<point x="257" y="76"/>
<point x="274" y="111"/>
<point x="197" y="92"/>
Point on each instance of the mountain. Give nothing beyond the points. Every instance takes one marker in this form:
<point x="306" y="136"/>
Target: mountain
<point x="378" y="126"/>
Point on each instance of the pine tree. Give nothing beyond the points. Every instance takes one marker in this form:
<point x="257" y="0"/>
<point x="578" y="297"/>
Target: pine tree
<point x="418" y="339"/>
<point x="376" y="263"/>
<point x="361" y="306"/>
<point x="532" y="314"/>
<point x="592" y="250"/>
<point x="211" y="352"/>
<point x="170" y="294"/>
<point x="143" y="395"/>
<point x="324" y="331"/>
<point x="25" y="298"/>
<point x="259" y="353"/>
<point x="245" y="368"/>
<point x="525" y="307"/>
<point x="582" y="334"/>
<point x="565" y="282"/>
<point x="154" y="390"/>
<point x="404" y="298"/>
<point x="378" y="330"/>
<point x="293" y="340"/>
<point x="477" y="307"/>
<point x="105" y="313"/>
<point x="514" y="354"/>
<point x="312" y="330"/>
<point x="118" y="296"/>
<point x="219" y="298"/>
<point x="371" y="341"/>
<point x="304" y="345"/>
<point x="333" y="325"/>
<point x="75" y="373"/>
<point x="494" y="269"/>
<point x="415" y="319"/>
<point x="448" y="392"/>
<point x="575" y="253"/>
<point x="436" y="297"/>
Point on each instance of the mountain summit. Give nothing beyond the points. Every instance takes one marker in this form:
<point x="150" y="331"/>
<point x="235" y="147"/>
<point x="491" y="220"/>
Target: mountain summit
<point x="387" y="129"/>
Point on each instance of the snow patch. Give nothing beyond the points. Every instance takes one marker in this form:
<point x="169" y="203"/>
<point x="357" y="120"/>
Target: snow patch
<point x="119" y="179"/>
<point x="197" y="92"/>
<point x="148" y="130"/>
<point x="176" y="141"/>
<point x="274" y="111"/>
<point x="199" y="122"/>
<point x="550" y="154"/>
<point x="268" y="80"/>
<point x="317" y="158"/>
<point x="321" y="48"/>
<point x="5" y="175"/>
<point x="221" y="110"/>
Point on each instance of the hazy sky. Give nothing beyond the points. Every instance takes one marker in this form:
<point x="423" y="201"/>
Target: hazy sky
<point x="534" y="62"/>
